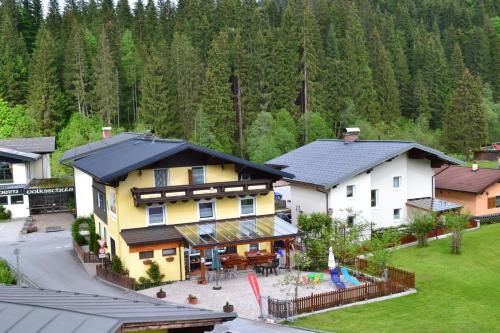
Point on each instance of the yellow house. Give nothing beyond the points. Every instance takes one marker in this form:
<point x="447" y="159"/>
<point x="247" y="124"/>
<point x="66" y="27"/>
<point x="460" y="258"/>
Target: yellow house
<point x="172" y="202"/>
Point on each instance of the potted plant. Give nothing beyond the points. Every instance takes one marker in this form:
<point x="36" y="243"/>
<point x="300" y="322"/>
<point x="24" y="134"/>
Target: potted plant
<point x="228" y="307"/>
<point x="147" y="262"/>
<point x="192" y="299"/>
<point x="161" y="293"/>
<point x="169" y="259"/>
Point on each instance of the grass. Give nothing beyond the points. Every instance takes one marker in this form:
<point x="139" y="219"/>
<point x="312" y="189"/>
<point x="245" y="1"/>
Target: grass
<point x="454" y="293"/>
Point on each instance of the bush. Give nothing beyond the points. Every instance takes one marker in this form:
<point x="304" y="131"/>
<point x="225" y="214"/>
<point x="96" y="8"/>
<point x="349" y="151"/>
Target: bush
<point x="116" y="265"/>
<point x="380" y="247"/>
<point x="5" y="214"/>
<point x="93" y="245"/>
<point x="143" y="283"/>
<point x="90" y="226"/>
<point x="456" y="223"/>
<point x="420" y="226"/>
<point x="75" y="232"/>
<point x="6" y="275"/>
<point x="154" y="273"/>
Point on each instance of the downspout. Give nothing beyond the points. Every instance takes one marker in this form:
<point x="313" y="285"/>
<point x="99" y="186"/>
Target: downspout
<point x="433" y="178"/>
<point x="325" y="191"/>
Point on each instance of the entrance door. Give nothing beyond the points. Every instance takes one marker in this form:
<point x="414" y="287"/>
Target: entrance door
<point x="113" y="247"/>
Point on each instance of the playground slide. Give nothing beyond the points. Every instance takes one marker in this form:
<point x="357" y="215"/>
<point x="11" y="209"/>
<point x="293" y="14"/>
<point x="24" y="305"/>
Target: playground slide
<point x="348" y="277"/>
<point x="334" y="275"/>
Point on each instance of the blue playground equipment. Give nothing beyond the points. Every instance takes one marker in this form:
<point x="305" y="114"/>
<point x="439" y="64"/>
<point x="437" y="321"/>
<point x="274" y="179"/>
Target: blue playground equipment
<point x="348" y="277"/>
<point x="334" y="275"/>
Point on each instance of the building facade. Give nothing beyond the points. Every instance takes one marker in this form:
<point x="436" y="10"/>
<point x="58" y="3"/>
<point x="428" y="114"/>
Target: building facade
<point x="169" y="201"/>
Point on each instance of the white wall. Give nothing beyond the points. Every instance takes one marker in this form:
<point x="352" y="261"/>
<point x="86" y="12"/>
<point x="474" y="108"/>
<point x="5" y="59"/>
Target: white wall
<point x="19" y="173"/>
<point x="419" y="178"/>
<point x="19" y="210"/>
<point x="359" y="204"/>
<point x="308" y="198"/>
<point x="83" y="193"/>
<point x="286" y="194"/>
<point x="41" y="167"/>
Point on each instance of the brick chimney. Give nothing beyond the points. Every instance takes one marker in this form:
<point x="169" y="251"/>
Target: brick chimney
<point x="351" y="134"/>
<point x="106" y="132"/>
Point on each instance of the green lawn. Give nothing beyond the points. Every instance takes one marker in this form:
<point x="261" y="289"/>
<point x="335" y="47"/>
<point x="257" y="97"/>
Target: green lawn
<point x="455" y="293"/>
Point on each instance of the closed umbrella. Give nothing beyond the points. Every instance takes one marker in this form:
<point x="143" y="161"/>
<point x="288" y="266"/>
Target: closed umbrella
<point x="216" y="265"/>
<point x="331" y="259"/>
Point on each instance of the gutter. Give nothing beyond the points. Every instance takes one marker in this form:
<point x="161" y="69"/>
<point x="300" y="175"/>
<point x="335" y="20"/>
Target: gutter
<point x="433" y="181"/>
<point x="326" y="192"/>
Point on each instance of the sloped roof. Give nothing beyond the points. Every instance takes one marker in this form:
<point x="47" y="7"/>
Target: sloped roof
<point x="44" y="144"/>
<point x="114" y="161"/>
<point x="327" y="163"/>
<point x="13" y="154"/>
<point x="433" y="204"/>
<point x="463" y="179"/>
<point x="43" y="310"/>
<point x="150" y="235"/>
<point x="86" y="149"/>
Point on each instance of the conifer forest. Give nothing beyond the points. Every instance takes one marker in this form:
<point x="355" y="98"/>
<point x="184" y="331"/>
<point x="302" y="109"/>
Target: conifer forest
<point x="253" y="78"/>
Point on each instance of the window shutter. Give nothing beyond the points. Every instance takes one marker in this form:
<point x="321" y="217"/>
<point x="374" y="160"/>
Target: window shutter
<point x="491" y="202"/>
<point x="190" y="176"/>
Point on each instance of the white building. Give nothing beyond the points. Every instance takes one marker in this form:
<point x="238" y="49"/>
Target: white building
<point x="373" y="181"/>
<point x="21" y="161"/>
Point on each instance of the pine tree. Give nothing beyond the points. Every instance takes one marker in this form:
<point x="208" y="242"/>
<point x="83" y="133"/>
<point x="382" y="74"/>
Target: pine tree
<point x="45" y="100"/>
<point x="457" y="66"/>
<point x="131" y="69"/>
<point x="465" y="123"/>
<point x="105" y="82"/>
<point x="123" y="16"/>
<point x="260" y="139"/>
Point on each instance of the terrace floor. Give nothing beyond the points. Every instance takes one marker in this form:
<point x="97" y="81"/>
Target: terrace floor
<point x="237" y="291"/>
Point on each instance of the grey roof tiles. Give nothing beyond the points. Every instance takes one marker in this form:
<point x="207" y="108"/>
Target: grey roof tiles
<point x="31" y="145"/>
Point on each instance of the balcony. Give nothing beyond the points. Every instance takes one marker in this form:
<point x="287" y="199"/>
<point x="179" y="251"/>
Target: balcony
<point x="150" y="195"/>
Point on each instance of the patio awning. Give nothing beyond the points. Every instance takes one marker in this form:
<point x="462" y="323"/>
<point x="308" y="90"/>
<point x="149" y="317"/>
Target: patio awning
<point x="435" y="205"/>
<point x="237" y="231"/>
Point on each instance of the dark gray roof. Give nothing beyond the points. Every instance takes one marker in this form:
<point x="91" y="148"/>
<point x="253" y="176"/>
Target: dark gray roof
<point x="327" y="163"/>
<point x="45" y="144"/>
<point x="86" y="149"/>
<point x="435" y="205"/>
<point x="150" y="235"/>
<point x="40" y="310"/>
<point x="112" y="162"/>
<point x="17" y="155"/>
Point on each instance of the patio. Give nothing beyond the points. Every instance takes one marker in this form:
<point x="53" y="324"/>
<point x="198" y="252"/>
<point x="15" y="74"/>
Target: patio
<point x="237" y="291"/>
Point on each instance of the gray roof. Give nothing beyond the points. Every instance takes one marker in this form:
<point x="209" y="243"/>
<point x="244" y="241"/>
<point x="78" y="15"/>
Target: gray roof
<point x="27" y="310"/>
<point x="327" y="163"/>
<point x="18" y="155"/>
<point x="86" y="149"/>
<point x="120" y="159"/>
<point x="435" y="205"/>
<point x="150" y="235"/>
<point x="45" y="144"/>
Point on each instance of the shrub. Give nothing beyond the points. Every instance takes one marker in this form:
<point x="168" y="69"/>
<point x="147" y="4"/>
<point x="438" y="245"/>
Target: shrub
<point x="6" y="275"/>
<point x="116" y="265"/>
<point x="143" y="283"/>
<point x="380" y="247"/>
<point x="420" y="226"/>
<point x="5" y="214"/>
<point x="456" y="223"/>
<point x="93" y="245"/>
<point x="154" y="273"/>
<point x="75" y="232"/>
<point x="90" y="226"/>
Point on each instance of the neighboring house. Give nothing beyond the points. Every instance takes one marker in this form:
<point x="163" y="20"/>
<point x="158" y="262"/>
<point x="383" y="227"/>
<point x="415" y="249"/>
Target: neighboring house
<point x="49" y="311"/>
<point x="23" y="164"/>
<point x="83" y="182"/>
<point x="477" y="189"/>
<point x="488" y="153"/>
<point x="282" y="193"/>
<point x="370" y="181"/>
<point x="172" y="202"/>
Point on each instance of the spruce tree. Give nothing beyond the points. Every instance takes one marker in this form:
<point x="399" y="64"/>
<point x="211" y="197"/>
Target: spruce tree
<point x="45" y="100"/>
<point x="123" y="16"/>
<point x="131" y="70"/>
<point x="457" y="66"/>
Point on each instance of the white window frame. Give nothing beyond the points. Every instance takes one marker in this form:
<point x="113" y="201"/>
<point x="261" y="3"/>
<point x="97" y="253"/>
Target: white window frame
<point x="101" y="199"/>
<point x="353" y="192"/>
<point x="400" y="182"/>
<point x="112" y="193"/>
<point x="376" y="198"/>
<point x="204" y="173"/>
<point x="167" y="171"/>
<point x="254" y="205"/>
<point x="213" y="209"/>
<point x="400" y="213"/>
<point x="164" y="215"/>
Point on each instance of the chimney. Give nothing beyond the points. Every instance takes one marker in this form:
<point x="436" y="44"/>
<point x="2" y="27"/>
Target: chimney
<point x="106" y="132"/>
<point x="475" y="166"/>
<point x="351" y="134"/>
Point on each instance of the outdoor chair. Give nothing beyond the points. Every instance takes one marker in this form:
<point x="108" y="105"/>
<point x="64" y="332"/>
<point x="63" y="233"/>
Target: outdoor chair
<point x="272" y="267"/>
<point x="231" y="273"/>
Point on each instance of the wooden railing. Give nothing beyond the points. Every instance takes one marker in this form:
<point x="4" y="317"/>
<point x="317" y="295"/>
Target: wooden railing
<point x="85" y="257"/>
<point x="119" y="279"/>
<point x="397" y="281"/>
<point x="150" y="195"/>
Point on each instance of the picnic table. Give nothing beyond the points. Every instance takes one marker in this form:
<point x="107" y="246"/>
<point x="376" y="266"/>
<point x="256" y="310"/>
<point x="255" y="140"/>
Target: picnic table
<point x="259" y="257"/>
<point x="233" y="259"/>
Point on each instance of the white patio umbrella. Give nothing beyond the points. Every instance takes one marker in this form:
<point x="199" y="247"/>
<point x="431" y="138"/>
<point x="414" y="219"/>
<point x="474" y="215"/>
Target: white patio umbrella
<point x="331" y="258"/>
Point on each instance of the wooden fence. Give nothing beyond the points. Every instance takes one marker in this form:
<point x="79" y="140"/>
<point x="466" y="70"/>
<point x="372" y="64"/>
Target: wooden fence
<point x="85" y="257"/>
<point x="124" y="281"/>
<point x="397" y="282"/>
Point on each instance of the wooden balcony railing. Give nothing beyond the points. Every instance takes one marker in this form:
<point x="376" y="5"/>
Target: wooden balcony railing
<point x="176" y="193"/>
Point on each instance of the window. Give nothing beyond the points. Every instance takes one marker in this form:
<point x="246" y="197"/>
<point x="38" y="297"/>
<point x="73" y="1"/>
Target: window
<point x="374" y="198"/>
<point x="156" y="215"/>
<point x="100" y="200"/>
<point x="16" y="200"/>
<point x="161" y="177"/>
<point x="146" y="254"/>
<point x="198" y="175"/>
<point x="351" y="220"/>
<point x="245" y="176"/>
<point x="253" y="247"/>
<point x="105" y="234"/>
<point x="397" y="214"/>
<point x="112" y="202"/>
<point x="497" y="201"/>
<point x="206" y="210"/>
<point x="396" y="182"/>
<point x="100" y="231"/>
<point x="350" y="191"/>
<point x="247" y="206"/>
<point x="4" y="200"/>
<point x="169" y="252"/>
<point x="6" y="175"/>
